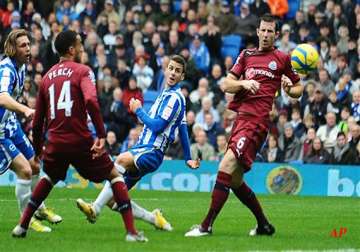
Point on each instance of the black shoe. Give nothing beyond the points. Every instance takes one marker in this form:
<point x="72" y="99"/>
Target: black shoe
<point x="267" y="229"/>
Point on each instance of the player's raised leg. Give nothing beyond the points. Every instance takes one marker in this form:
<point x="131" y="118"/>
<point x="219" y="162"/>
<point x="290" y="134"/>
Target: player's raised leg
<point x="219" y="195"/>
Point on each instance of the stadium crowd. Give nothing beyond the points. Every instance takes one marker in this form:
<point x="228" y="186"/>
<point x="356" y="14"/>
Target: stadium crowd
<point x="128" y="44"/>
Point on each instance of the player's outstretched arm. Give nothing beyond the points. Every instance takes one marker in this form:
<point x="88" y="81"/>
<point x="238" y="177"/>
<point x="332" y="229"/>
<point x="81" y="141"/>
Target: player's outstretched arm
<point x="6" y="101"/>
<point x="232" y="84"/>
<point x="293" y="90"/>
<point x="184" y="139"/>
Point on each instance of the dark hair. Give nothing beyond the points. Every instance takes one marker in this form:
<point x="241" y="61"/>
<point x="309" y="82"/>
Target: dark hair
<point x="341" y="134"/>
<point x="179" y="59"/>
<point x="270" y="19"/>
<point x="64" y="41"/>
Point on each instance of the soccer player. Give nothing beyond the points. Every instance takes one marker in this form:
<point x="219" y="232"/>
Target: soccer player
<point x="67" y="94"/>
<point x="165" y="119"/>
<point x="16" y="151"/>
<point x="254" y="79"/>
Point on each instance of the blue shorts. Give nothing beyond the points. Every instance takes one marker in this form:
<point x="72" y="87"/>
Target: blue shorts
<point x="146" y="160"/>
<point x="13" y="146"/>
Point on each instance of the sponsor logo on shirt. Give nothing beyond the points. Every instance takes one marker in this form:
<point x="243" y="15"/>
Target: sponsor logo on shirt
<point x="252" y="72"/>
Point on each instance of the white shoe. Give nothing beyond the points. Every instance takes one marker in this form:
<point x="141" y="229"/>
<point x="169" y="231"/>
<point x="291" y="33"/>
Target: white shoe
<point x="139" y="237"/>
<point x="196" y="231"/>
<point x="19" y="232"/>
<point x="160" y="221"/>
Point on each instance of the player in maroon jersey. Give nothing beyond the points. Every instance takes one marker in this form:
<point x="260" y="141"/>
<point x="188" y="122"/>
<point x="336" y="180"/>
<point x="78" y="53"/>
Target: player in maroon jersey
<point x="254" y="79"/>
<point x="67" y="94"/>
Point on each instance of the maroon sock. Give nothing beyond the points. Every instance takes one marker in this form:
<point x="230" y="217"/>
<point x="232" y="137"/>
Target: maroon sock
<point x="219" y="197"/>
<point x="39" y="194"/>
<point x="248" y="198"/>
<point x="124" y="206"/>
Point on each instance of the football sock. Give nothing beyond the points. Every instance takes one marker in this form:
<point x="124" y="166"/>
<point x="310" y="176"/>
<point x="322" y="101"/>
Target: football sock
<point x="248" y="198"/>
<point x="23" y="193"/>
<point x="103" y="198"/>
<point x="34" y="180"/>
<point x="122" y="200"/>
<point x="219" y="197"/>
<point x="41" y="191"/>
<point x="142" y="213"/>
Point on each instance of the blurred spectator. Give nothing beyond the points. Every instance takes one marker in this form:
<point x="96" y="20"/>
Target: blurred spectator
<point x="143" y="73"/>
<point x="174" y="46"/>
<point x="206" y="107"/>
<point x="290" y="144"/>
<point x="355" y="105"/>
<point x="354" y="135"/>
<point x="317" y="108"/>
<point x="331" y="63"/>
<point x="285" y="44"/>
<point x="221" y="143"/>
<point x="344" y="116"/>
<point x="317" y="154"/>
<point x="200" y="54"/>
<point x="343" y="87"/>
<point x="117" y="117"/>
<point x="326" y="84"/>
<point x="226" y="20"/>
<point x="333" y="105"/>
<point x="307" y="142"/>
<point x="272" y="153"/>
<point x="259" y="7"/>
<point x="342" y="154"/>
<point x="66" y="10"/>
<point x="112" y="146"/>
<point x="212" y="129"/>
<point x="297" y="125"/>
<point x="201" y="148"/>
<point x="110" y="12"/>
<point x="328" y="132"/>
<point x="247" y="24"/>
<point x="132" y="92"/>
<point x="131" y="139"/>
<point x="212" y="37"/>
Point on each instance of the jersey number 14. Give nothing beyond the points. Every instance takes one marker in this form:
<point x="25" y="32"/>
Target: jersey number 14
<point x="64" y="101"/>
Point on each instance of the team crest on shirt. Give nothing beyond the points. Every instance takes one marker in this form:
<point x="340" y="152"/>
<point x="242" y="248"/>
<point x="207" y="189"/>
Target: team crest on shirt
<point x="272" y="65"/>
<point x="92" y="77"/>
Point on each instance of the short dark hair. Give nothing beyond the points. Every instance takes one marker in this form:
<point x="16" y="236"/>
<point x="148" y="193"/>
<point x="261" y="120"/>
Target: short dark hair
<point x="64" y="40"/>
<point x="271" y="19"/>
<point x="179" y="59"/>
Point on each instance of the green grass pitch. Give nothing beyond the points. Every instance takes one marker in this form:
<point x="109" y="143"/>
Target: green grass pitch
<point x="302" y="223"/>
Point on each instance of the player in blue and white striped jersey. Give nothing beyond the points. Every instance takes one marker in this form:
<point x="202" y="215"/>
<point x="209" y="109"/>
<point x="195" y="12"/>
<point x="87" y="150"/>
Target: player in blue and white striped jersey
<point x="16" y="151"/>
<point x="165" y="120"/>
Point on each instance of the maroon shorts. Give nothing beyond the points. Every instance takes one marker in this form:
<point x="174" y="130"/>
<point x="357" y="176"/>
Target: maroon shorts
<point x="96" y="170"/>
<point x="246" y="140"/>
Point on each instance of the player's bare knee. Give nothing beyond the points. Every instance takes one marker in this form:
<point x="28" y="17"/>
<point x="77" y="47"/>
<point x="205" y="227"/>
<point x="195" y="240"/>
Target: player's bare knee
<point x="24" y="172"/>
<point x="229" y="163"/>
